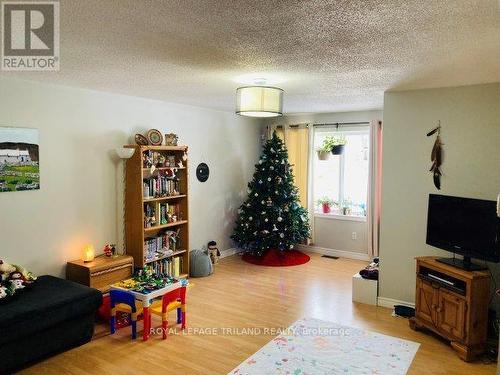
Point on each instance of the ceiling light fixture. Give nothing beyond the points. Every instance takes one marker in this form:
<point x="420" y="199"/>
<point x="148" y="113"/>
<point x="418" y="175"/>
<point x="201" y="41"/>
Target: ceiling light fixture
<point x="259" y="101"/>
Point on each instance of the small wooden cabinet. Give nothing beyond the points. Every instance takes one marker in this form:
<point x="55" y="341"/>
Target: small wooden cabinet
<point x="101" y="272"/>
<point x="454" y="304"/>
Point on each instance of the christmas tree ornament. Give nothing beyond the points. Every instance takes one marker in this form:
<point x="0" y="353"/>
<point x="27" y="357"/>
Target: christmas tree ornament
<point x="271" y="168"/>
<point x="266" y="219"/>
<point x="280" y="219"/>
<point x="275" y="228"/>
<point x="269" y="202"/>
<point x="256" y="194"/>
<point x="269" y="179"/>
<point x="282" y="235"/>
<point x="260" y="182"/>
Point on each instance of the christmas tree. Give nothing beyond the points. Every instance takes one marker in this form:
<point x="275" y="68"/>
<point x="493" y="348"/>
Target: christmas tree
<point x="272" y="216"/>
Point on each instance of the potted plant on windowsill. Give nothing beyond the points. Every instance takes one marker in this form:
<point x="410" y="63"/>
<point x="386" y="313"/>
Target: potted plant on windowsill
<point x="338" y="143"/>
<point x="326" y="204"/>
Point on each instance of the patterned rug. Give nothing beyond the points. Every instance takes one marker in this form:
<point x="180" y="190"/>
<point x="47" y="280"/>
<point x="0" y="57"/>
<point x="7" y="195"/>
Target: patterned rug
<point x="312" y="346"/>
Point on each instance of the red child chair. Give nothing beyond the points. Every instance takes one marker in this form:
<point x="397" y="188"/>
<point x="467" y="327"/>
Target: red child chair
<point x="176" y="299"/>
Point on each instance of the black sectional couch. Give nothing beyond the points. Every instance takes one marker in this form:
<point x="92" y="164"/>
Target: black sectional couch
<point x="54" y="315"/>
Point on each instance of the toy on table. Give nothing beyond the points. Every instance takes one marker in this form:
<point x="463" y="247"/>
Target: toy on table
<point x="109" y="250"/>
<point x="146" y="281"/>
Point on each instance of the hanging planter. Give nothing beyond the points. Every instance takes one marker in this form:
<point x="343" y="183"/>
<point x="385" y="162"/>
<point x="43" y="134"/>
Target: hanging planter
<point x="337" y="144"/>
<point x="323" y="155"/>
<point x="338" y="150"/>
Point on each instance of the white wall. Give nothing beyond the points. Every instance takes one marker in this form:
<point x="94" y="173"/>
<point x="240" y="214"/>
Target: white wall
<point x="80" y="196"/>
<point x="330" y="233"/>
<point x="470" y="118"/>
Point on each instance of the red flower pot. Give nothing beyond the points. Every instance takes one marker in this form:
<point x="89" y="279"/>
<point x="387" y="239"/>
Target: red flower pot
<point x="326" y="208"/>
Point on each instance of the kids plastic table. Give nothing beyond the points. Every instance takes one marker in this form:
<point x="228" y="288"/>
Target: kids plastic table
<point x="145" y="299"/>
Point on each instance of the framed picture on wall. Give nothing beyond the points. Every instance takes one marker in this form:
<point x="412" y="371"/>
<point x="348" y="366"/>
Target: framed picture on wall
<point x="19" y="159"/>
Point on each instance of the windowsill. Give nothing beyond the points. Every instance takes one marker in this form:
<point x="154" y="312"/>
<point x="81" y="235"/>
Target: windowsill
<point x="340" y="217"/>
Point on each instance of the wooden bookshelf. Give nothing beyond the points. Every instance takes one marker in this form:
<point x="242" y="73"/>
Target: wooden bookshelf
<point x="136" y="201"/>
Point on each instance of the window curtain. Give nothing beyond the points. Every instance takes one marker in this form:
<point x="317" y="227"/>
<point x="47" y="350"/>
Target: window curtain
<point x="375" y="188"/>
<point x="296" y="140"/>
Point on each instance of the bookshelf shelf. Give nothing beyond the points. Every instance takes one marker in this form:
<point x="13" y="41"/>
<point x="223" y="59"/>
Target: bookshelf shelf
<point x="148" y="170"/>
<point x="146" y="200"/>
<point x="141" y="242"/>
<point x="169" y="225"/>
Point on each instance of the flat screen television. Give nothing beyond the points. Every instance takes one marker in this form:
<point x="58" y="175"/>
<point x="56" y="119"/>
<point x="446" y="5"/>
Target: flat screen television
<point x="464" y="226"/>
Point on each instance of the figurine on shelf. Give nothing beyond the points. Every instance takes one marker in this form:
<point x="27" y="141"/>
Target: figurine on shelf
<point x="109" y="250"/>
<point x="147" y="160"/>
<point x="213" y="251"/>
<point x="171" y="139"/>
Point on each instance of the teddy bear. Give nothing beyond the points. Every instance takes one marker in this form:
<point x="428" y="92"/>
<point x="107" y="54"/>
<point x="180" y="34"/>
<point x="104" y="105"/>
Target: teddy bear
<point x="6" y="269"/>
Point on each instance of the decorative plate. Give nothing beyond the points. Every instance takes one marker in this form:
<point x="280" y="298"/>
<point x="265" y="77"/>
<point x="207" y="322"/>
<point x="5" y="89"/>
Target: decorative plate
<point x="155" y="137"/>
<point x="141" y="140"/>
<point x="202" y="172"/>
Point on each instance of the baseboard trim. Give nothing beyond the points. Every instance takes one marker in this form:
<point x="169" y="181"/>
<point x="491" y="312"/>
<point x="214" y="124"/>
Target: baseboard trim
<point x="228" y="252"/>
<point x="333" y="252"/>
<point x="390" y="302"/>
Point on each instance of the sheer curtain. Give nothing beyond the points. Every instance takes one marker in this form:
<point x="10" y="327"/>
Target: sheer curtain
<point x="375" y="190"/>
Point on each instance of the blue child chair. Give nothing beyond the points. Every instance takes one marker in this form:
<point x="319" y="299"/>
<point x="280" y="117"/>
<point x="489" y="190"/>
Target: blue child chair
<point x="119" y="297"/>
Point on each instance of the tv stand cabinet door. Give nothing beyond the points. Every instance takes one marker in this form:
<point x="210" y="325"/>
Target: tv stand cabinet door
<point x="451" y="312"/>
<point x="427" y="300"/>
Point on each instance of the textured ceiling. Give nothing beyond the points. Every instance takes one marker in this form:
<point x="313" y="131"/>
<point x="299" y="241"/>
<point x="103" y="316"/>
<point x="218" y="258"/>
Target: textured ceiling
<point x="326" y="55"/>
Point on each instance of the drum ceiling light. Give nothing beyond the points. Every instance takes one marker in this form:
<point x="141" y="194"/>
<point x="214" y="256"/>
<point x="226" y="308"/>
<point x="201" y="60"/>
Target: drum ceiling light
<point x="259" y="101"/>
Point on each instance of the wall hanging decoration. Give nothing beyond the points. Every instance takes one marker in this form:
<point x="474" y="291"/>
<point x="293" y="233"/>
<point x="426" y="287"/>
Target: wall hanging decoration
<point x="202" y="172"/>
<point x="171" y="139"/>
<point x="19" y="161"/>
<point x="141" y="140"/>
<point x="154" y="137"/>
<point x="436" y="156"/>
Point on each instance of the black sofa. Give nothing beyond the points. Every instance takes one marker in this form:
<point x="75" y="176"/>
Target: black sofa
<point x="54" y="315"/>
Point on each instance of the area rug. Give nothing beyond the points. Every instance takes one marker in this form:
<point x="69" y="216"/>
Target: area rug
<point x="276" y="258"/>
<point x="312" y="346"/>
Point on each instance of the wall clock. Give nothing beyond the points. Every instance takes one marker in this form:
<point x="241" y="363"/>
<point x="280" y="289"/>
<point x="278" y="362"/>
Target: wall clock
<point x="202" y="172"/>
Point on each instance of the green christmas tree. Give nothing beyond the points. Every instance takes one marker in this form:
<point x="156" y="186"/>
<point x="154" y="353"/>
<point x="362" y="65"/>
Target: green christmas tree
<point x="272" y="216"/>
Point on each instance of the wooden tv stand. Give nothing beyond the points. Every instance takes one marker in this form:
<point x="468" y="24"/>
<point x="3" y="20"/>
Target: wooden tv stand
<point x="454" y="304"/>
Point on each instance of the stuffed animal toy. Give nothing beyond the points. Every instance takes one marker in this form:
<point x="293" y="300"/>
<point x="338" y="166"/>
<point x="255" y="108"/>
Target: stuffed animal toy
<point x="6" y="269"/>
<point x="213" y="251"/>
<point x="3" y="292"/>
<point x="17" y="284"/>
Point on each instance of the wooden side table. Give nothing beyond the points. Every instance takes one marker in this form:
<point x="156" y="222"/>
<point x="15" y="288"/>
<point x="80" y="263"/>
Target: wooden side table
<point x="101" y="272"/>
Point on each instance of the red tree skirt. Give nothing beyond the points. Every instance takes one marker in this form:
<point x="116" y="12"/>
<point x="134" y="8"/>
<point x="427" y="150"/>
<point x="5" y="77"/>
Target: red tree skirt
<point x="276" y="258"/>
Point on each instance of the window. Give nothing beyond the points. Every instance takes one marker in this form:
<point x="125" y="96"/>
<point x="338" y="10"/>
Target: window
<point x="340" y="183"/>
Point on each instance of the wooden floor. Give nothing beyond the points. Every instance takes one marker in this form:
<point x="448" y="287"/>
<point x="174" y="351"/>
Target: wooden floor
<point x="241" y="295"/>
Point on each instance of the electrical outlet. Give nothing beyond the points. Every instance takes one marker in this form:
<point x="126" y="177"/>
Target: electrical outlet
<point x="354" y="235"/>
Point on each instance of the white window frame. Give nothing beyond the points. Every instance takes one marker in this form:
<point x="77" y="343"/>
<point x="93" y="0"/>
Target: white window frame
<point x="352" y="129"/>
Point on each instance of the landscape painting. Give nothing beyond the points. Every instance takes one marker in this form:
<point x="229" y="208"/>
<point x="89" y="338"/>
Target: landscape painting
<point x="19" y="161"/>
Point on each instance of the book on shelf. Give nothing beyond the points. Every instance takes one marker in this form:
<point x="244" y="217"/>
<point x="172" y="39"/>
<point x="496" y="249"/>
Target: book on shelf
<point x="160" y="186"/>
<point x="169" y="267"/>
<point x="161" y="245"/>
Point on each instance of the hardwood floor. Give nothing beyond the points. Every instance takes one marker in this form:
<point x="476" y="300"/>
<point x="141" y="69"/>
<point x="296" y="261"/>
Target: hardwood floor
<point x="240" y="295"/>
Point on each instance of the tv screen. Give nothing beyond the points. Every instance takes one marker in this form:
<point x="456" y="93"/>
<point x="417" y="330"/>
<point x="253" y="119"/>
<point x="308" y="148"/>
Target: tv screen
<point x="469" y="227"/>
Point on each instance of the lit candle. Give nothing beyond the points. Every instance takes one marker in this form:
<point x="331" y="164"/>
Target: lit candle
<point x="88" y="253"/>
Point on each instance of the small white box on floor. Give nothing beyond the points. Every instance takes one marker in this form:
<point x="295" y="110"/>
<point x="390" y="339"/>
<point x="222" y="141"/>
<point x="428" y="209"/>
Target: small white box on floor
<point x="364" y="290"/>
